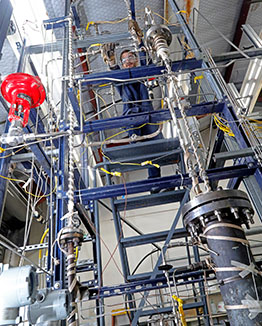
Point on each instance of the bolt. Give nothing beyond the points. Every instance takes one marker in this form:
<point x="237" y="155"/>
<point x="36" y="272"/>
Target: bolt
<point x="218" y="215"/>
<point x="202" y="220"/>
<point x="57" y="286"/>
<point x="234" y="210"/>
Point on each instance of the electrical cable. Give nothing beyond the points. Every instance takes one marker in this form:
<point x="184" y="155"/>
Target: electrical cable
<point x="143" y="259"/>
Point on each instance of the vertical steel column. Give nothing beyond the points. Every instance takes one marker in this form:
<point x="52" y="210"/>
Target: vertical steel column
<point x="62" y="169"/>
<point x="4" y="166"/>
<point x="202" y="288"/>
<point x="6" y="10"/>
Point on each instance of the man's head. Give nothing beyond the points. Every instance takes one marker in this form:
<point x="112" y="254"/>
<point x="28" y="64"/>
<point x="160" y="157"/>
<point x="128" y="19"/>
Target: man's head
<point x="128" y="59"/>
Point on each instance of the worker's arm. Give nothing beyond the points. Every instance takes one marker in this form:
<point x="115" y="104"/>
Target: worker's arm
<point x="109" y="56"/>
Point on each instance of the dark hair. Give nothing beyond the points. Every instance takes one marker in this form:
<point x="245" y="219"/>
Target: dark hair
<point x="126" y="51"/>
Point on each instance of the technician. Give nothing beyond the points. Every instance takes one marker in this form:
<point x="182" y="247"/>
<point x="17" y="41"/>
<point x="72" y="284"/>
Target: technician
<point x="132" y="92"/>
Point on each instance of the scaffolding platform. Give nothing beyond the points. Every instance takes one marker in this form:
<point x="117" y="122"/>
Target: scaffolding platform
<point x="162" y="198"/>
<point x="160" y="151"/>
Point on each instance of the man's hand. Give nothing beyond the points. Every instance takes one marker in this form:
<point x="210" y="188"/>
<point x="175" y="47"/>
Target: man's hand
<point x="108" y="54"/>
<point x="135" y="30"/>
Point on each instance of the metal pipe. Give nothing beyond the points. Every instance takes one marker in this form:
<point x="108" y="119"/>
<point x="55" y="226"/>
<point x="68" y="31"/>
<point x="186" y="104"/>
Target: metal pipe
<point x="215" y="218"/>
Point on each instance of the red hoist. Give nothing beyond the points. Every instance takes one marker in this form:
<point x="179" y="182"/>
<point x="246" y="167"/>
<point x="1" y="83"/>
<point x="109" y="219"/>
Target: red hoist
<point x="23" y="92"/>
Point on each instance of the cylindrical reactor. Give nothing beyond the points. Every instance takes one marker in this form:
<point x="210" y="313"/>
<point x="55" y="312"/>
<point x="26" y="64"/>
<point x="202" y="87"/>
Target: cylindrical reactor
<point x="215" y="218"/>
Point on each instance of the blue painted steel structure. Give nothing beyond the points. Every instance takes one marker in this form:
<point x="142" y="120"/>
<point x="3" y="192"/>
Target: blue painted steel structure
<point x="90" y="196"/>
<point x="138" y="72"/>
<point x="6" y="10"/>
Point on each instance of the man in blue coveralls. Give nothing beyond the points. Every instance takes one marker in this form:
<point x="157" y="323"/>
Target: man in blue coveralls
<point x="132" y="92"/>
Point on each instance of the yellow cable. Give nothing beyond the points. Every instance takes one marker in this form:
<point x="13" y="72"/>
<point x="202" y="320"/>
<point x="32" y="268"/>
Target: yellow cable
<point x="106" y="22"/>
<point x="41" y="241"/>
<point x="6" y="149"/>
<point x="150" y="163"/>
<point x="200" y="78"/>
<point x="88" y="24"/>
<point x="104" y="102"/>
<point x="227" y="130"/>
<point x="180" y="310"/>
<point x="167" y="21"/>
<point x="117" y="174"/>
<point x="95" y="44"/>
<point x="11" y="179"/>
<point x="45" y="195"/>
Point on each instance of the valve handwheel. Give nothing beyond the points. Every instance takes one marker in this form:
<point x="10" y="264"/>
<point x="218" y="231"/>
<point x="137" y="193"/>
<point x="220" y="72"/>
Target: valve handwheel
<point x="24" y="92"/>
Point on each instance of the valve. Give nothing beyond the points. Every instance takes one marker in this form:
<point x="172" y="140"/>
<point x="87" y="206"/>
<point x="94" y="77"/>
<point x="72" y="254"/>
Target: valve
<point x="23" y="92"/>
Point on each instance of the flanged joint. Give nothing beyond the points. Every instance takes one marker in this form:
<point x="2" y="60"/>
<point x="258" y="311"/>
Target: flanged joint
<point x="158" y="38"/>
<point x="70" y="235"/>
<point x="217" y="206"/>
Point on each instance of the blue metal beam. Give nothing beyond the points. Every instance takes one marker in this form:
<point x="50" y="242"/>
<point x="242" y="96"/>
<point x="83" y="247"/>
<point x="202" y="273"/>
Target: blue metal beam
<point x="163" y="183"/>
<point x="4" y="167"/>
<point x="76" y="17"/>
<point x="6" y="10"/>
<point x="149" y="200"/>
<point x="138" y="72"/>
<point x="133" y="10"/>
<point x="73" y="99"/>
<point x="86" y="42"/>
<point x="144" y="285"/>
<point x="139" y="240"/>
<point x="154" y="116"/>
<point x="56" y="22"/>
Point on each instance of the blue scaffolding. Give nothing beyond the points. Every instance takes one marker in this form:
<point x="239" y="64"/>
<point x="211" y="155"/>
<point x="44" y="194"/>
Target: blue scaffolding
<point x="246" y="169"/>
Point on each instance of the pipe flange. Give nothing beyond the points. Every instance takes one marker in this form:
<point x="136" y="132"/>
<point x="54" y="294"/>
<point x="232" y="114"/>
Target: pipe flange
<point x="69" y="235"/>
<point x="155" y="32"/>
<point x="230" y="205"/>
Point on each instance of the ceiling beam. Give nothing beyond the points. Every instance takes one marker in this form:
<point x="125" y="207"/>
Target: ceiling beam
<point x="238" y="33"/>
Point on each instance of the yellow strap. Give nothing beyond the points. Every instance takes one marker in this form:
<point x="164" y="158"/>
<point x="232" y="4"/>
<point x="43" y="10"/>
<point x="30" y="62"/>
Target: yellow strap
<point x="182" y="12"/>
<point x="88" y="24"/>
<point x="117" y="174"/>
<point x="2" y="149"/>
<point x="150" y="163"/>
<point x="198" y="77"/>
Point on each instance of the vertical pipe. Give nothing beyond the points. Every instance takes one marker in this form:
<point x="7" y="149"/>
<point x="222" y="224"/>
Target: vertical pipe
<point x="235" y="289"/>
<point x="215" y="218"/>
<point x="71" y="277"/>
